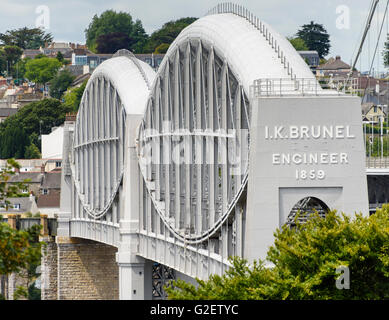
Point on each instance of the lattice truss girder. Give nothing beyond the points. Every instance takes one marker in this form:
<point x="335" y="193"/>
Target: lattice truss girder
<point x="193" y="150"/>
<point x="98" y="153"/>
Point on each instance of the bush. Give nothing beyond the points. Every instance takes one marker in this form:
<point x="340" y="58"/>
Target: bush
<point x="306" y="259"/>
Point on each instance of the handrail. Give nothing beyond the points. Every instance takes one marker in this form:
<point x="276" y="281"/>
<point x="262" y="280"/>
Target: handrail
<point x="241" y="11"/>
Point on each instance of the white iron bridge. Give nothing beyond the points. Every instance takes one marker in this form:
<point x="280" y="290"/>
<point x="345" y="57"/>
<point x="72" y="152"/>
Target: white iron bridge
<point x="158" y="162"/>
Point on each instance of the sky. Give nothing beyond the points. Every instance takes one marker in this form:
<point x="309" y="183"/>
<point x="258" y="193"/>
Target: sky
<point x="344" y="20"/>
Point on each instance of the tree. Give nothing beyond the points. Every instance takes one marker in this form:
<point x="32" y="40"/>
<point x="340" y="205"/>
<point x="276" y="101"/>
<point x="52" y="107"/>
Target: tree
<point x="162" y="48"/>
<point x="42" y="70"/>
<point x="18" y="131"/>
<point x="13" y="140"/>
<point x="112" y="42"/>
<point x="111" y="22"/>
<point x="26" y="38"/>
<point x="73" y="97"/>
<point x="167" y="33"/>
<point x="8" y="190"/>
<point x="315" y="37"/>
<point x="32" y="152"/>
<point x="298" y="44"/>
<point x="307" y="260"/>
<point x="385" y="52"/>
<point x="9" y="55"/>
<point x="60" y="83"/>
<point x="20" y="250"/>
<point x="60" y="57"/>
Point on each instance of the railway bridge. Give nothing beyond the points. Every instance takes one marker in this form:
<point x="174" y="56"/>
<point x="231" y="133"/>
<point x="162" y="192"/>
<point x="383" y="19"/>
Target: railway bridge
<point x="169" y="173"/>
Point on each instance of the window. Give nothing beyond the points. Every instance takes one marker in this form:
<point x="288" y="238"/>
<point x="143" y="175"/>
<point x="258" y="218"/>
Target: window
<point x="45" y="191"/>
<point x="81" y="60"/>
<point x="17" y="206"/>
<point x="58" y="164"/>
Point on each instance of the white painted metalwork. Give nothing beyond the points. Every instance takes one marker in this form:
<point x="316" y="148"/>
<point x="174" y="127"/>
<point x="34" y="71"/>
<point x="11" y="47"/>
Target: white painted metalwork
<point x="116" y="89"/>
<point x="193" y="141"/>
<point x="192" y="144"/>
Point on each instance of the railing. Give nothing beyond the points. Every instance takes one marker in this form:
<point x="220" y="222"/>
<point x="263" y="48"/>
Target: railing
<point x="25" y="223"/>
<point x="135" y="60"/>
<point x="377" y="162"/>
<point x="302" y="86"/>
<point x="251" y="18"/>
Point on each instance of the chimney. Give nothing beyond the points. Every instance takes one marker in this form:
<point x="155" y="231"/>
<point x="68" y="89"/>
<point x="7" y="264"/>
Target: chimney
<point x="337" y="57"/>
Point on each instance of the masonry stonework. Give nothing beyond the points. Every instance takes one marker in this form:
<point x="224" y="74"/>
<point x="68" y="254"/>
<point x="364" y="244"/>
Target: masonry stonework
<point x="49" y="269"/>
<point x="87" y="270"/>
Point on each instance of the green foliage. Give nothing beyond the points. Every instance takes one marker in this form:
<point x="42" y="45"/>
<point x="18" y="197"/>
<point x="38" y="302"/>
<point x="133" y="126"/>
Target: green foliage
<point x="19" y="250"/>
<point x="73" y="97"/>
<point x="167" y="33"/>
<point x="315" y="37"/>
<point x="60" y="83"/>
<point x="19" y="69"/>
<point x="162" y="48"/>
<point x="42" y="70"/>
<point x="9" y="56"/>
<point x="305" y="260"/>
<point x="298" y="44"/>
<point x="32" y="152"/>
<point x="112" y="42"/>
<point x="26" y="38"/>
<point x="374" y="149"/>
<point x="111" y="22"/>
<point x="8" y="190"/>
<point x="385" y="52"/>
<point x="20" y="130"/>
<point x="60" y="57"/>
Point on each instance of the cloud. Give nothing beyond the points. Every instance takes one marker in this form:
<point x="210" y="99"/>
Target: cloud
<point x="68" y="19"/>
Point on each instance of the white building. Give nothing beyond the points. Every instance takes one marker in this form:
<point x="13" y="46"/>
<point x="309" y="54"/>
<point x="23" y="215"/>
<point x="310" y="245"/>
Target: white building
<point x="52" y="144"/>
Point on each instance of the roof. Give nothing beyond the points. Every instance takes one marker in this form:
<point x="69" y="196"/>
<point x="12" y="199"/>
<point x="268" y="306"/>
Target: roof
<point x="27" y="204"/>
<point x="334" y="64"/>
<point x="6" y="112"/>
<point x="314" y="52"/>
<point x="81" y="78"/>
<point x="51" y="200"/>
<point x="366" y="107"/>
<point x="51" y="180"/>
<point x="34" y="177"/>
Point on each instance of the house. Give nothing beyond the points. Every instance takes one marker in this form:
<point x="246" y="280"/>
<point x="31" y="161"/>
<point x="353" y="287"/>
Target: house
<point x="333" y="67"/>
<point x="20" y="205"/>
<point x="50" y="193"/>
<point x="153" y="60"/>
<point x="30" y="53"/>
<point x="84" y="57"/>
<point x="79" y="80"/>
<point x="311" y="57"/>
<point x="34" y="181"/>
<point x="372" y="112"/>
<point x="52" y="143"/>
<point x="6" y="112"/>
<point x="35" y="165"/>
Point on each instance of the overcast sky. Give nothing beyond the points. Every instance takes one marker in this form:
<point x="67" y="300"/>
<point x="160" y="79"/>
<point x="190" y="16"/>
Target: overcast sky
<point x="69" y="18"/>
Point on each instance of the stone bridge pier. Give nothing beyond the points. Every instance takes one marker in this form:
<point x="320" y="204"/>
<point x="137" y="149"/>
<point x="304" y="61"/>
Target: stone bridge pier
<point x="79" y="269"/>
